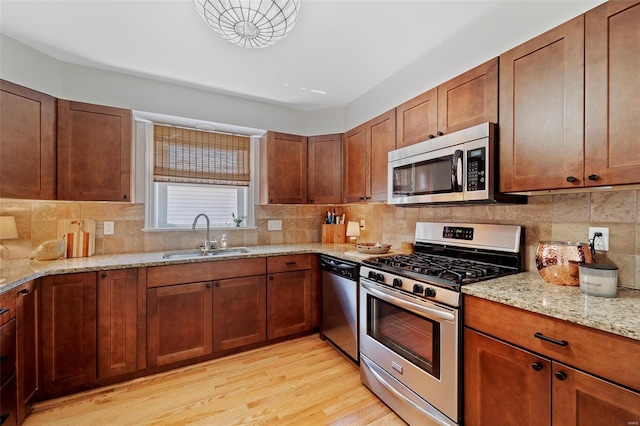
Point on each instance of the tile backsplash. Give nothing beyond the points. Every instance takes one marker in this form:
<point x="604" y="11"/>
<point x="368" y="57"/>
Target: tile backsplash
<point x="563" y="217"/>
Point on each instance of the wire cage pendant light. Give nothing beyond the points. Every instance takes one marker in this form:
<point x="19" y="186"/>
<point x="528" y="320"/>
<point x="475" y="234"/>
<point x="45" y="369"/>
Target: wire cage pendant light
<point x="250" y="23"/>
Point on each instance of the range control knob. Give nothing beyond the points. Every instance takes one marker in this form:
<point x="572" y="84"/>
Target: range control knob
<point x="376" y="276"/>
<point x="429" y="292"/>
<point x="397" y="282"/>
<point x="417" y="288"/>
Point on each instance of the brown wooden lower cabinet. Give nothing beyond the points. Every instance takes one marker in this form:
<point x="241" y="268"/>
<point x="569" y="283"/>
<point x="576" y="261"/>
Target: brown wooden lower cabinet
<point x="179" y="320"/>
<point x="289" y="301"/>
<point x="68" y="333"/>
<point x="27" y="358"/>
<point x="121" y="322"/>
<point x="507" y="385"/>
<point x="239" y="312"/>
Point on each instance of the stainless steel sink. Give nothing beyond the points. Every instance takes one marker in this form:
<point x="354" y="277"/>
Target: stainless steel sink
<point x="186" y="254"/>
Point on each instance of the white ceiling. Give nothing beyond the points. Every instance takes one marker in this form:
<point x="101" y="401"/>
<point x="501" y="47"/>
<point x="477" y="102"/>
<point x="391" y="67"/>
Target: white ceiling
<point x="343" y="48"/>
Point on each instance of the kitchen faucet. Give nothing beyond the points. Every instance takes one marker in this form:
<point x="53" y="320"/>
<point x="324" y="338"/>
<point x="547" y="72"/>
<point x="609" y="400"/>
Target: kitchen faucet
<point x="207" y="242"/>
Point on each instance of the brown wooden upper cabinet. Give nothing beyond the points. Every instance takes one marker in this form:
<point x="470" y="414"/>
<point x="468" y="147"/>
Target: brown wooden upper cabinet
<point x="27" y="143"/>
<point x="365" y="156"/>
<point x="464" y="101"/>
<point x="569" y="115"/>
<point x="325" y="169"/>
<point x="612" y="93"/>
<point x="283" y="169"/>
<point x="94" y="152"/>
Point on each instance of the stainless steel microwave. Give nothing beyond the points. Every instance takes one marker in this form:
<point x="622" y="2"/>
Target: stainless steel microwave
<point x="454" y="168"/>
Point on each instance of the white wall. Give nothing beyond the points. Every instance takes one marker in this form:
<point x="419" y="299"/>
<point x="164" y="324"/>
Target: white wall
<point x="508" y="24"/>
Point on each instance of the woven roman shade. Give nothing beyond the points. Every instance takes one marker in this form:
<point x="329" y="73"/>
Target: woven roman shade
<point x="194" y="156"/>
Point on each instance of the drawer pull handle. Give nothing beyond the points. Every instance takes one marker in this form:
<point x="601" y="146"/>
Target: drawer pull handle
<point x="24" y="291"/>
<point x="3" y="310"/>
<point x="3" y="418"/>
<point x="291" y="263"/>
<point x="536" y="366"/>
<point x="550" y="340"/>
<point x="3" y="358"/>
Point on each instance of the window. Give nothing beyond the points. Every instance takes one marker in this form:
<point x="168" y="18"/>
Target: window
<point x="195" y="172"/>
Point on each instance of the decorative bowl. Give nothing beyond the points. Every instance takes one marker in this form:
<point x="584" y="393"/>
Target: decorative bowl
<point x="558" y="261"/>
<point x="373" y="248"/>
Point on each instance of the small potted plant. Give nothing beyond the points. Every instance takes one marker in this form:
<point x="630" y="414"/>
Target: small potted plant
<point x="237" y="219"/>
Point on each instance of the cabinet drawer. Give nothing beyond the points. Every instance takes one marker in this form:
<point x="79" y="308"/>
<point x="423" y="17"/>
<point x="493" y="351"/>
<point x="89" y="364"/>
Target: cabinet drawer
<point x="296" y="262"/>
<point x="603" y="354"/>
<point x="7" y="306"/>
<point x="158" y="276"/>
<point x="7" y="351"/>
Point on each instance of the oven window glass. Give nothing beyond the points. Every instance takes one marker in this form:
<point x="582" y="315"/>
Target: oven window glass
<point x="424" y="177"/>
<point x="411" y="336"/>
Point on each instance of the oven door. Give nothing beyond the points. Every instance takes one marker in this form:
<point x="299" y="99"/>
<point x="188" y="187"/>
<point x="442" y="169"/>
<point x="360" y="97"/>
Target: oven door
<point x="414" y="341"/>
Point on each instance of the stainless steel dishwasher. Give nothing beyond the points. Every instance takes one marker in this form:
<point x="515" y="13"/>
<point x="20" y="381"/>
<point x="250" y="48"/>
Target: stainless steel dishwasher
<point x="340" y="304"/>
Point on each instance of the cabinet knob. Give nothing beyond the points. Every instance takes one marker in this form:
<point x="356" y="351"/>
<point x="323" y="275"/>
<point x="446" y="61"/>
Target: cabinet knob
<point x="431" y="136"/>
<point x="571" y="179"/>
<point x="125" y="197"/>
<point x="536" y="366"/>
<point x="208" y="285"/>
<point x="560" y="375"/>
<point x="270" y="277"/>
<point x="439" y="133"/>
<point x="310" y="200"/>
<point x="271" y="200"/>
<point x="593" y="177"/>
<point x="217" y="283"/>
<point x="24" y="291"/>
<point x="103" y="275"/>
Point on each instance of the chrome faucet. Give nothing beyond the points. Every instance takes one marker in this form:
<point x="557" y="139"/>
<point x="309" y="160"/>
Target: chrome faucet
<point x="207" y="242"/>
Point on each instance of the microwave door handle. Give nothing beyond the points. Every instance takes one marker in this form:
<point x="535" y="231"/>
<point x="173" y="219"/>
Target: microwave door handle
<point x="456" y="171"/>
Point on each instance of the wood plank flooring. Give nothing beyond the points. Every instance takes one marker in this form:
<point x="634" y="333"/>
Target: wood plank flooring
<point x="299" y="382"/>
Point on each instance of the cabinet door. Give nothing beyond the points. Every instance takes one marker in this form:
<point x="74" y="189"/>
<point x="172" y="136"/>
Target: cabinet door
<point x="94" y="152"/>
<point x="469" y="99"/>
<point x="325" y="169"/>
<point x="283" y="169"/>
<point x="612" y="90"/>
<point x="239" y="312"/>
<point x="28" y="368"/>
<point x="289" y="303"/>
<point x="27" y="143"/>
<point x="504" y="385"/>
<point x="68" y="333"/>
<point x="354" y="169"/>
<point x="417" y="119"/>
<point x="581" y="399"/>
<point x="381" y="138"/>
<point x="121" y="319"/>
<point x="179" y="320"/>
<point x="541" y="111"/>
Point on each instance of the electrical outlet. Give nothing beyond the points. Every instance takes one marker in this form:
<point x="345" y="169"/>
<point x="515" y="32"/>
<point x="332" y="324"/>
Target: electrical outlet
<point x="274" y="225"/>
<point x="362" y="225"/>
<point x="109" y="228"/>
<point x="600" y="243"/>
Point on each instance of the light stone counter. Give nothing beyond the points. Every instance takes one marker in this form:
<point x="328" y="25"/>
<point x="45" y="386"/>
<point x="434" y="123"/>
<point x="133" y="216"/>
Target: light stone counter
<point x="16" y="272"/>
<point x="619" y="315"/>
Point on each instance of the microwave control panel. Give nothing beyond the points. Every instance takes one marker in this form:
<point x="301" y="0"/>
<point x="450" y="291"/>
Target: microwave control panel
<point x="476" y="173"/>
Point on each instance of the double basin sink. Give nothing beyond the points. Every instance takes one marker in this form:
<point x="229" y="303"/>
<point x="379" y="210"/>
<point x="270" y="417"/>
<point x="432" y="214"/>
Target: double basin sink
<point x="196" y="253"/>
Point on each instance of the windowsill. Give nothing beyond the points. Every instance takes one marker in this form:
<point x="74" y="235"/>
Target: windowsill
<point x="225" y="228"/>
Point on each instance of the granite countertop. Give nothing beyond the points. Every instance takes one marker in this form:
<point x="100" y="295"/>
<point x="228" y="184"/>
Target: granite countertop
<point x="619" y="315"/>
<point x="527" y="290"/>
<point x="16" y="272"/>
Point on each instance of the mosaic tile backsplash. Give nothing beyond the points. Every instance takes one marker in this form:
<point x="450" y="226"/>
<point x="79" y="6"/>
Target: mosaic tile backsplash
<point x="558" y="217"/>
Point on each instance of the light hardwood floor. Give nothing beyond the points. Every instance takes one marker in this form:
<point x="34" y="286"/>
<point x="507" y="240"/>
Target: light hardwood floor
<point x="299" y="382"/>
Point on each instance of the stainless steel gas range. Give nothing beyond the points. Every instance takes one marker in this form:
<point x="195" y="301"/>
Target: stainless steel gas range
<point x="411" y="320"/>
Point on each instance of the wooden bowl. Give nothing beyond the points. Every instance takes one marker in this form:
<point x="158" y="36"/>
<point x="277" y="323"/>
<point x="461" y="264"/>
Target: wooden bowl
<point x="373" y="248"/>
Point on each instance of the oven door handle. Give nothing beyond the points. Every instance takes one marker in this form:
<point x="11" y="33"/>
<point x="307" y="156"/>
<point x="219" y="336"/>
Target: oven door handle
<point x="447" y="316"/>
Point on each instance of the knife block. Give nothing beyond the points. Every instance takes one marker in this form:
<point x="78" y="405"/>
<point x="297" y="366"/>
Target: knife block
<point x="333" y="234"/>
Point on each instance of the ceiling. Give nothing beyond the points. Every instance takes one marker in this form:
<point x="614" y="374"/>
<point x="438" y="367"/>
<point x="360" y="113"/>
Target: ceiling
<point x="339" y="48"/>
